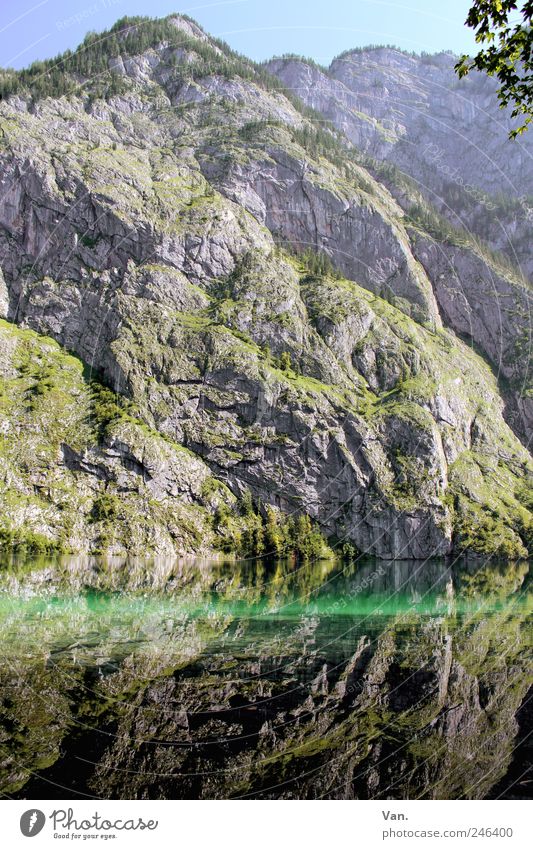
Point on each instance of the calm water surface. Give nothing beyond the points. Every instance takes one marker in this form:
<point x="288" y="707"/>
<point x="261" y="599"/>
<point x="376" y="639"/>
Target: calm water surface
<point x="186" y="679"/>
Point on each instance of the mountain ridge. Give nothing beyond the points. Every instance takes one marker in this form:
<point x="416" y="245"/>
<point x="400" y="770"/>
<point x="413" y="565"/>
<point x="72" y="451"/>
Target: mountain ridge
<point x="265" y="302"/>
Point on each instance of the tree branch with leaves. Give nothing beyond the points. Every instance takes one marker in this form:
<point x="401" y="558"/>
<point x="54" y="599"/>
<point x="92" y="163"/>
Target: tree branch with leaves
<point x="505" y="29"/>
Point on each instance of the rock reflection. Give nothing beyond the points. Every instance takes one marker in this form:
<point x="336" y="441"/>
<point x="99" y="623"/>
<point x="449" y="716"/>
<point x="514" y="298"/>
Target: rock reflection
<point x="201" y="679"/>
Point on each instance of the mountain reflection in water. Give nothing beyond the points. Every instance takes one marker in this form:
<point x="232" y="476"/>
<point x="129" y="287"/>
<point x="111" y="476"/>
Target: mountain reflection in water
<point x="185" y="679"/>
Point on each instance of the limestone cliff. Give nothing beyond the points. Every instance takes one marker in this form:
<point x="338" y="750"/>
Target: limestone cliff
<point x="267" y="314"/>
<point x="448" y="135"/>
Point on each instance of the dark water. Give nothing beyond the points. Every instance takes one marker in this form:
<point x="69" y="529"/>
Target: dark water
<point x="208" y="680"/>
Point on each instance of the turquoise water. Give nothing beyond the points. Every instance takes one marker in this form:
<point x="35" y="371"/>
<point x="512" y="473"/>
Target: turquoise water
<point x="199" y="679"/>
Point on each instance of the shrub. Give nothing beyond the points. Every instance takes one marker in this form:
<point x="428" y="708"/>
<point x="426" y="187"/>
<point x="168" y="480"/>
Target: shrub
<point x="483" y="534"/>
<point x="106" y="508"/>
<point x="285" y="361"/>
<point x="107" y="408"/>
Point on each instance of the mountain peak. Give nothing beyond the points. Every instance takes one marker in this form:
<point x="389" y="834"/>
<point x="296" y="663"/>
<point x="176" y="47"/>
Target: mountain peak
<point x="188" y="26"/>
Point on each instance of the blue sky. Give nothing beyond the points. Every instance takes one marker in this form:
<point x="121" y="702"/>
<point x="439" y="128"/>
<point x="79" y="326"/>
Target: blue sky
<point x="37" y="29"/>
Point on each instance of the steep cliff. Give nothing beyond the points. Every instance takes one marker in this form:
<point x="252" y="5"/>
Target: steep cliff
<point x="447" y="134"/>
<point x="277" y="322"/>
<point x="440" y="145"/>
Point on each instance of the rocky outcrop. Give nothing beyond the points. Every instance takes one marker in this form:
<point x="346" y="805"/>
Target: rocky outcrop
<point x="413" y="114"/>
<point x="362" y="233"/>
<point x="80" y="471"/>
<point x="482" y="304"/>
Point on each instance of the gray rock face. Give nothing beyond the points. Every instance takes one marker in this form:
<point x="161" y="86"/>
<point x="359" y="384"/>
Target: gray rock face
<point x="4" y="297"/>
<point x="447" y="134"/>
<point x="267" y="305"/>
<point x="488" y="308"/>
<point x="415" y="111"/>
<point x="452" y="139"/>
<point x="363" y="234"/>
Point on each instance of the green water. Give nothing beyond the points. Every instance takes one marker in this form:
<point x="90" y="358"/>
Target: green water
<point x="197" y="679"/>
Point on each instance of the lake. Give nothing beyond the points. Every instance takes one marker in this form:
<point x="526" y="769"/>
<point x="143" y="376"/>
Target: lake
<point x="204" y="679"/>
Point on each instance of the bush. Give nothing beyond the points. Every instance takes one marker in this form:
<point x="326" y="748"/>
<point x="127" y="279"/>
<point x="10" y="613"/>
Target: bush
<point x="107" y="408"/>
<point x="106" y="508"/>
<point x="285" y="361"/>
<point x="483" y="534"/>
<point x="316" y="263"/>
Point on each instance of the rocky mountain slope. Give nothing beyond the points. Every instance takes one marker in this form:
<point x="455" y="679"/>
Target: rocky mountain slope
<point x="448" y="135"/>
<point x="277" y="322"/>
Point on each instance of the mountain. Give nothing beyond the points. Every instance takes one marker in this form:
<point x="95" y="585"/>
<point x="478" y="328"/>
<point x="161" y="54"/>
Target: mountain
<point x="447" y="135"/>
<point x="214" y="304"/>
